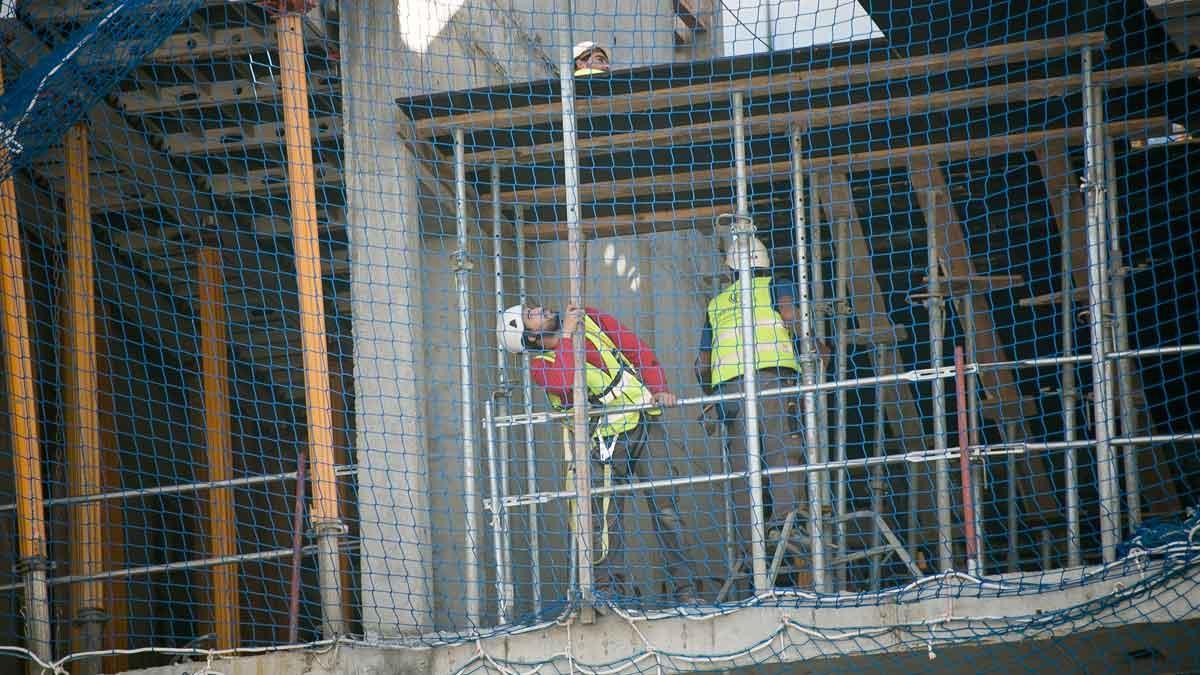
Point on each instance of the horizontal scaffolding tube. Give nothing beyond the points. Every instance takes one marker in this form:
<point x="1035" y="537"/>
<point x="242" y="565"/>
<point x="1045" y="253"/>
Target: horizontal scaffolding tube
<point x="274" y="554"/>
<point x="900" y="458"/>
<point x="178" y="489"/>
<point x="919" y="375"/>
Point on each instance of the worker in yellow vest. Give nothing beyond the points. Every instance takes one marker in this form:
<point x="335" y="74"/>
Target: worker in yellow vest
<point x="719" y="369"/>
<point x="591" y="59"/>
<point x="621" y="370"/>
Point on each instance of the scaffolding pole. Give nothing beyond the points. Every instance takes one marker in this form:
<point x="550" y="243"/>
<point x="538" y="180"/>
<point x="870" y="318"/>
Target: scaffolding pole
<point x="1102" y="385"/>
<point x="23" y="426"/>
<point x="535" y="560"/>
<point x="937" y="328"/>
<point x="974" y="562"/>
<point x="504" y="574"/>
<point x="579" y="394"/>
<point x="326" y="519"/>
<point x="82" y="405"/>
<point x="743" y="239"/>
<point x="978" y="467"/>
<point x="877" y="480"/>
<point x="809" y="358"/>
<point x="841" y="303"/>
<point x="1070" y="456"/>
<point x="462" y="280"/>
<point x="504" y="594"/>
<point x="1125" y="378"/>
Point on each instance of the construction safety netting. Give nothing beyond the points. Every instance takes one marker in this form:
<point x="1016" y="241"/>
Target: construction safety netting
<point x="598" y="336"/>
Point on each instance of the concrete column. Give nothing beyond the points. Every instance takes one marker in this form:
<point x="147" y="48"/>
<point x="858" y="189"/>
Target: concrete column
<point x="385" y="240"/>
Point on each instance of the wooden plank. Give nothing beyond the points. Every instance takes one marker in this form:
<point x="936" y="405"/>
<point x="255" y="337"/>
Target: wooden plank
<point x="794" y="83"/>
<point x="222" y="43"/>
<point x="866" y="111"/>
<point x="244" y="137"/>
<point x="63" y="11"/>
<point x="222" y="519"/>
<point x="271" y="180"/>
<point x="203" y="95"/>
<point x="646" y="186"/>
<point x="81" y="411"/>
<point x="302" y="193"/>
<point x="23" y="415"/>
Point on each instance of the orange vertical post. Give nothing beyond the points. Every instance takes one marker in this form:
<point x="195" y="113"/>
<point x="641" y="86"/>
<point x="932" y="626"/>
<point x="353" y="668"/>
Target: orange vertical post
<point x="222" y="520"/>
<point x="82" y="412"/>
<point x="22" y="412"/>
<point x="325" y="516"/>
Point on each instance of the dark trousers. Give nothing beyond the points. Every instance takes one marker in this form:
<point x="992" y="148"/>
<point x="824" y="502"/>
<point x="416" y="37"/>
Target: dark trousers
<point x="779" y="444"/>
<point x="641" y="454"/>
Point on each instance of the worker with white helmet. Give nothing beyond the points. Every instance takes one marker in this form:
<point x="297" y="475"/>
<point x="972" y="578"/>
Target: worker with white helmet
<point x="591" y="59"/>
<point x="620" y="370"/>
<point x="720" y="370"/>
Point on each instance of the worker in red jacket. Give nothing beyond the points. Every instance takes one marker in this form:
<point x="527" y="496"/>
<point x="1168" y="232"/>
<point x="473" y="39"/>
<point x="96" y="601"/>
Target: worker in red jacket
<point x="621" y="370"/>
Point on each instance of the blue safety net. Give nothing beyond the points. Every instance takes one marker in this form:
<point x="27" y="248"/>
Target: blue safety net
<point x="515" y="336"/>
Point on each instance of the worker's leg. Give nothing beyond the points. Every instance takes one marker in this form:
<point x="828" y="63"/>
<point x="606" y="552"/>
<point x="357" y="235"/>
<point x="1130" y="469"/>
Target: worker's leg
<point x="781" y="447"/>
<point x="654" y="462"/>
<point x="735" y="440"/>
<point x="608" y="538"/>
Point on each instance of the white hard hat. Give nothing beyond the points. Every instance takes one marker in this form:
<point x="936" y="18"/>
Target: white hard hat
<point x="759" y="257"/>
<point x="511" y="329"/>
<point x="587" y="46"/>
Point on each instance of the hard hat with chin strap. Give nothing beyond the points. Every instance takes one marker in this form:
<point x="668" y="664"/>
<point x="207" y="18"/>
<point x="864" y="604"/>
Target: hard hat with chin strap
<point x="511" y="329"/>
<point x="759" y="257"/>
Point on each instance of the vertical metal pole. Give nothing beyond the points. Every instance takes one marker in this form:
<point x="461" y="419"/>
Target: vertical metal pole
<point x="462" y="269"/>
<point x="326" y="517"/>
<point x="877" y="479"/>
<point x="1070" y="461"/>
<point x="808" y="363"/>
<point x="503" y="588"/>
<point x="937" y="327"/>
<point x="1129" y="413"/>
<point x="974" y="564"/>
<point x="819" y="312"/>
<point x="841" y="305"/>
<point x="502" y="446"/>
<point x="1010" y="466"/>
<point x="1110" y="514"/>
<point x="978" y="467"/>
<point x="743" y="236"/>
<point x="583" y="477"/>
<point x="535" y="554"/>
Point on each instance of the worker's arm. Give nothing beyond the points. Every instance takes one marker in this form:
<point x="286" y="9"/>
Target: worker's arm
<point x="703" y="363"/>
<point x="639" y="354"/>
<point x="785" y="303"/>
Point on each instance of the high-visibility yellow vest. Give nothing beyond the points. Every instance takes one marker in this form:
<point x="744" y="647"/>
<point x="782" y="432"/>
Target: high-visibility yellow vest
<point x="616" y="384"/>
<point x="772" y="340"/>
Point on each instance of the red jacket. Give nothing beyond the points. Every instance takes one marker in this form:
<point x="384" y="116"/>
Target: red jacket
<point x="559" y="377"/>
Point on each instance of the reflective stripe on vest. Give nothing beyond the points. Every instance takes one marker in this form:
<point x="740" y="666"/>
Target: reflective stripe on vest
<point x="772" y="340"/>
<point x="616" y="384"/>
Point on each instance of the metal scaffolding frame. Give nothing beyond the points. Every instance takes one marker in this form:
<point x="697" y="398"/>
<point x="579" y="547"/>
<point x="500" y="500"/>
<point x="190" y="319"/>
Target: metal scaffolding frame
<point x="1104" y="356"/>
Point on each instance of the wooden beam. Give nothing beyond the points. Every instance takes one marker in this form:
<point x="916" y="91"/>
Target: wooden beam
<point x="325" y="512"/>
<point x="854" y="113"/>
<point x="74" y="11"/>
<point x="271" y="180"/>
<point x="23" y="422"/>
<point x="794" y="83"/>
<point x="244" y="137"/>
<point x="859" y="161"/>
<point x="1001" y="401"/>
<point x="204" y="95"/>
<point x="222" y="519"/>
<point x="81" y="410"/>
